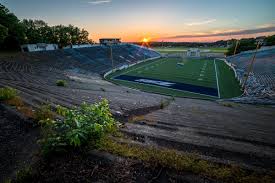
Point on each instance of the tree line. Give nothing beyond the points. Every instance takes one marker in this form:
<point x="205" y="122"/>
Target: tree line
<point x="14" y="32"/>
<point x="249" y="44"/>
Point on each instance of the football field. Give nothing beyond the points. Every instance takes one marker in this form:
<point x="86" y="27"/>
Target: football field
<point x="183" y="77"/>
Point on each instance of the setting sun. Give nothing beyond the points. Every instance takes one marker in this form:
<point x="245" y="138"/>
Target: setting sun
<point x="145" y="40"/>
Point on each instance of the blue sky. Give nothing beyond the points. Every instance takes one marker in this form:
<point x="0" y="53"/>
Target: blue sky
<point x="175" y="20"/>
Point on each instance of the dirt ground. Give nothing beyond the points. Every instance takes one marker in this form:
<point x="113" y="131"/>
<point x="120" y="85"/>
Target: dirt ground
<point x="18" y="142"/>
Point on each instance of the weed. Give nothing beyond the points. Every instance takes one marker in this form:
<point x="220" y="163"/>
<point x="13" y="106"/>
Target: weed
<point x="80" y="125"/>
<point x="163" y="104"/>
<point x="7" y="93"/>
<point x="227" y="104"/>
<point x="43" y="113"/>
<point x="61" y="83"/>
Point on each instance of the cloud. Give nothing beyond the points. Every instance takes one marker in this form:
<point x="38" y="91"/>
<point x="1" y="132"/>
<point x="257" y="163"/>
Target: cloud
<point x="202" y="22"/>
<point x="96" y="2"/>
<point x="228" y="33"/>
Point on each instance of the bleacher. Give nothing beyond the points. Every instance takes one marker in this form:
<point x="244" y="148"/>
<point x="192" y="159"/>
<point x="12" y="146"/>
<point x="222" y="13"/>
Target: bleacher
<point x="261" y="82"/>
<point x="96" y="59"/>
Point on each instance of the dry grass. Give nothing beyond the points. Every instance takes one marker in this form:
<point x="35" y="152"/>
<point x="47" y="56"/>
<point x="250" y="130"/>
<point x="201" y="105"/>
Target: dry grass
<point x="26" y="111"/>
<point x="183" y="162"/>
<point x="15" y="101"/>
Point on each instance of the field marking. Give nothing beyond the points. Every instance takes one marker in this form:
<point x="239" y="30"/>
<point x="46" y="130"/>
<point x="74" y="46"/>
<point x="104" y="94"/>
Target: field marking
<point x="140" y="67"/>
<point x="160" y="87"/>
<point x="130" y="70"/>
<point x="161" y="61"/>
<point x="217" y="79"/>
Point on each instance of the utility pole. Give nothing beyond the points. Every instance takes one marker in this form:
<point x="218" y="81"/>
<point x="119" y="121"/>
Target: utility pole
<point x="251" y="66"/>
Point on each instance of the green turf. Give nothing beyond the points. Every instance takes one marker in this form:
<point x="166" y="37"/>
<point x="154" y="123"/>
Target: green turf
<point x="184" y="49"/>
<point x="200" y="72"/>
<point x="228" y="84"/>
<point x="168" y="69"/>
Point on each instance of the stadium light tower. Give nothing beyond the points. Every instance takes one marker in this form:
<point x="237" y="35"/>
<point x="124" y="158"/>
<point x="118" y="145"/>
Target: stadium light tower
<point x="111" y="57"/>
<point x="251" y="65"/>
<point x="237" y="43"/>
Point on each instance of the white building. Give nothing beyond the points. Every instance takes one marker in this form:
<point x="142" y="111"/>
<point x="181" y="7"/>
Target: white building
<point x="109" y="41"/>
<point x="79" y="46"/>
<point x="193" y="52"/>
<point x="38" y="47"/>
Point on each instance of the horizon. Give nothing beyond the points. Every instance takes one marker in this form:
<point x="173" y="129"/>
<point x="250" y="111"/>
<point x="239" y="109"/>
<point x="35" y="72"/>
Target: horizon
<point x="157" y="20"/>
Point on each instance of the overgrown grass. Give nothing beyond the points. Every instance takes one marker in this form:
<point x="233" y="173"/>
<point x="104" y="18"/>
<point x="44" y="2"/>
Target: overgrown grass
<point x="61" y="83"/>
<point x="183" y="162"/>
<point x="7" y="93"/>
<point x="10" y="96"/>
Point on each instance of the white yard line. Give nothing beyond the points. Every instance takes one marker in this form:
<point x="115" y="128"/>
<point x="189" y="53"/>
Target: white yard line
<point x="140" y="67"/>
<point x="217" y="79"/>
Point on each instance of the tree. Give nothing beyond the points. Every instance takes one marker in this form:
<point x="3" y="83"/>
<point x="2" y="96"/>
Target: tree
<point x="84" y="36"/>
<point x="244" y="45"/>
<point x="14" y="32"/>
<point x="270" y="40"/>
<point x="11" y="30"/>
<point x="3" y="33"/>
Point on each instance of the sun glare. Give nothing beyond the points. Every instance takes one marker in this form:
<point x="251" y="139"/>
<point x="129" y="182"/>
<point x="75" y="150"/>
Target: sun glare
<point x="145" y="40"/>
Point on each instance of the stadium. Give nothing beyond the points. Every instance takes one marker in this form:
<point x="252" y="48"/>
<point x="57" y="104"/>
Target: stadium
<point x="75" y="110"/>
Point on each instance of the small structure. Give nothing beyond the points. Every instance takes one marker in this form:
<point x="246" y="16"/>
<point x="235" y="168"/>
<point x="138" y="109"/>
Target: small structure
<point x="193" y="52"/>
<point x="38" y="47"/>
<point x="78" y="46"/>
<point x="109" y="41"/>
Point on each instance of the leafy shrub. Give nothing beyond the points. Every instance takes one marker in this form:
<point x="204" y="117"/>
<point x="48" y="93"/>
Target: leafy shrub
<point x="61" y="83"/>
<point x="87" y="123"/>
<point x="43" y="113"/>
<point x="7" y="93"/>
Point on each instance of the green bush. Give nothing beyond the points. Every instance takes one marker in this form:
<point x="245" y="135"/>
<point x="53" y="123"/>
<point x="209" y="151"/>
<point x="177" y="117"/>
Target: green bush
<point x="61" y="83"/>
<point x="79" y="126"/>
<point x="7" y="93"/>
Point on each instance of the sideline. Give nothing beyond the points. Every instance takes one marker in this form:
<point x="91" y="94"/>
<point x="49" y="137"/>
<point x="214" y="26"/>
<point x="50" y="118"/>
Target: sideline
<point x="217" y="79"/>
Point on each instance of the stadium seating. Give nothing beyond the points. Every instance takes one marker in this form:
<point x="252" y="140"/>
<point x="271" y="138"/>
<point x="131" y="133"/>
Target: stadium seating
<point x="95" y="59"/>
<point x="261" y="82"/>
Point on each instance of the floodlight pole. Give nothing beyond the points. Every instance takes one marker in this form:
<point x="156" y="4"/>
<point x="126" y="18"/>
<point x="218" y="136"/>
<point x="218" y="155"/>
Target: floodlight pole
<point x="251" y="65"/>
<point x="236" y="47"/>
<point x="112" y="59"/>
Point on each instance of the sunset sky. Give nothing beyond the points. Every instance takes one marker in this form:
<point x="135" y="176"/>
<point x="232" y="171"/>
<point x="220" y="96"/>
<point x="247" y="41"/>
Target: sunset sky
<point x="167" y="20"/>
